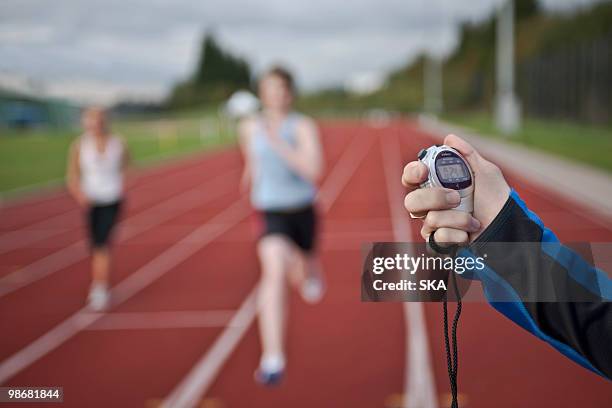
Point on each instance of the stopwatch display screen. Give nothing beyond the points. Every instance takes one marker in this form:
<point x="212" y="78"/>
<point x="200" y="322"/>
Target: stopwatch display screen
<point x="452" y="171"/>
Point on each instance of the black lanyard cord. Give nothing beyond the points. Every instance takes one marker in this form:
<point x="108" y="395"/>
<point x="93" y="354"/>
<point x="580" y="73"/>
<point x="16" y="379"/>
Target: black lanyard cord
<point x="452" y="356"/>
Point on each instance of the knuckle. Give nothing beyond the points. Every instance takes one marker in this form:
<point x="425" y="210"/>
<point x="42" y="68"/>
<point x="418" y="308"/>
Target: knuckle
<point x="466" y="220"/>
<point x="439" y="198"/>
<point x="434" y="198"/>
<point x="408" y="202"/>
<point x="408" y="174"/>
<point x="432" y="219"/>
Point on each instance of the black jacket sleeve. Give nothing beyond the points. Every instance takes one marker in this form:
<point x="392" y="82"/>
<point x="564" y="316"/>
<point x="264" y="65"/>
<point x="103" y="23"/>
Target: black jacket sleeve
<point x="550" y="290"/>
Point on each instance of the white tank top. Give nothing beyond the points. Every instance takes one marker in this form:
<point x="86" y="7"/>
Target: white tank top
<point x="101" y="173"/>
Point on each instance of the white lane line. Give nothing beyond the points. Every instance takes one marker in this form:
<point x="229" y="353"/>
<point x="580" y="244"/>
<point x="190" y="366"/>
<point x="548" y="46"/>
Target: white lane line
<point x="137" y="224"/>
<point x="22" y="238"/>
<point x="419" y="381"/>
<point x="353" y="238"/>
<point x="37" y="194"/>
<point x="137" y="281"/>
<point x="180" y="319"/>
<point x="352" y="241"/>
<point x="343" y="170"/>
<point x="362" y="223"/>
<point x="194" y="386"/>
<point x="200" y="378"/>
<point x="48" y="227"/>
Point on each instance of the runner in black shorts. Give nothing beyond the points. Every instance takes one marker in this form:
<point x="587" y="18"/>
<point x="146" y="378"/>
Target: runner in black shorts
<point x="96" y="164"/>
<point x="283" y="163"/>
<point x="299" y="226"/>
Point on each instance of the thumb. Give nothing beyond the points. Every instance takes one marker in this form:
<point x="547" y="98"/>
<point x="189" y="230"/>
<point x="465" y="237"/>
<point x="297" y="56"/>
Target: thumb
<point x="466" y="149"/>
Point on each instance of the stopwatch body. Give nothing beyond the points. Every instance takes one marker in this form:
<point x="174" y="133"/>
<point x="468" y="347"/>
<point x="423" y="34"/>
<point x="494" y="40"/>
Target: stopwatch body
<point x="449" y="169"/>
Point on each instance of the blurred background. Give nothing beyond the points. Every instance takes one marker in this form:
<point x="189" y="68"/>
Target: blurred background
<point x="165" y="67"/>
<point x="529" y="82"/>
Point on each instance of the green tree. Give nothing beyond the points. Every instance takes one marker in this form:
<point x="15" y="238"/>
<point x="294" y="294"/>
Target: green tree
<point x="524" y="9"/>
<point x="218" y="74"/>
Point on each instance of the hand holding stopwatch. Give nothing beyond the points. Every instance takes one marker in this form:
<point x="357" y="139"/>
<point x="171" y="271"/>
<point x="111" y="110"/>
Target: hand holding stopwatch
<point x="448" y="169"/>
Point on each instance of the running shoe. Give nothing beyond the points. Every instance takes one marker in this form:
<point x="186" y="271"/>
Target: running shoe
<point x="99" y="298"/>
<point x="313" y="287"/>
<point x="268" y="378"/>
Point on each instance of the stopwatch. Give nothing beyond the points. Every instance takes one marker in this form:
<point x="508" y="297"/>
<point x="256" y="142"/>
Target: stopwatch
<point x="449" y="169"/>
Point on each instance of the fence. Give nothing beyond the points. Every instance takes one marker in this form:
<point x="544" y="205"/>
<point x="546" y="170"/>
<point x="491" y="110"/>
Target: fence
<point x="571" y="83"/>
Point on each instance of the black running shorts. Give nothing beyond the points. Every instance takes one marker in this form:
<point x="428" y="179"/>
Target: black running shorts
<point x="101" y="220"/>
<point x="299" y="226"/>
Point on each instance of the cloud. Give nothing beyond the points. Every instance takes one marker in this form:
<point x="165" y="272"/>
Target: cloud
<point x="140" y="43"/>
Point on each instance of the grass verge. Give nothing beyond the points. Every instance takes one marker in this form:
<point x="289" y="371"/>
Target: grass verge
<point x="579" y="142"/>
<point x="33" y="158"/>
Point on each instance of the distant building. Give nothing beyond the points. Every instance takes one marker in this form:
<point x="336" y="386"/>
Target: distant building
<point x="20" y="111"/>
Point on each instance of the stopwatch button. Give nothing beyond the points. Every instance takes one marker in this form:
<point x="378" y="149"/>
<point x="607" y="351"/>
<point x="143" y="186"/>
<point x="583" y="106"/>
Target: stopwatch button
<point x="422" y="154"/>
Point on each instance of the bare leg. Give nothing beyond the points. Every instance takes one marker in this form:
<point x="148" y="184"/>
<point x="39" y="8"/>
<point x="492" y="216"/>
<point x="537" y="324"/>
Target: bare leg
<point x="100" y="266"/>
<point x="100" y="272"/>
<point x="297" y="270"/>
<point x="313" y="286"/>
<point x="274" y="254"/>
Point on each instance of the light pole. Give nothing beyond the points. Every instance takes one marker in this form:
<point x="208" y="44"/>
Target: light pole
<point x="433" y="85"/>
<point x="507" y="108"/>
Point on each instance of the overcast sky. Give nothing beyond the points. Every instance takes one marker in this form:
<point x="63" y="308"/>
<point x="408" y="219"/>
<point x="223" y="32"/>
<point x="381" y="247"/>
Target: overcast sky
<point x="101" y="48"/>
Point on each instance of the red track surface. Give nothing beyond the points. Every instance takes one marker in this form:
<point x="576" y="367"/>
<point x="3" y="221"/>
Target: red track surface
<point x="342" y="353"/>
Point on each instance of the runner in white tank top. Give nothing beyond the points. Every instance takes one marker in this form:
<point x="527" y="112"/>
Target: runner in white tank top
<point x="101" y="172"/>
<point x="95" y="179"/>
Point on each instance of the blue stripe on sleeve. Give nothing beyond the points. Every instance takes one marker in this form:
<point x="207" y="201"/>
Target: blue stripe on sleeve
<point x="590" y="277"/>
<point x="512" y="307"/>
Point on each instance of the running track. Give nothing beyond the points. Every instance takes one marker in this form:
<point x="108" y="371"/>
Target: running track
<point x="182" y="333"/>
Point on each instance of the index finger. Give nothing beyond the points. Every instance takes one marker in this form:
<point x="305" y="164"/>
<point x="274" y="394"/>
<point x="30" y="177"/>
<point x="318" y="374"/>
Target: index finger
<point x="414" y="174"/>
